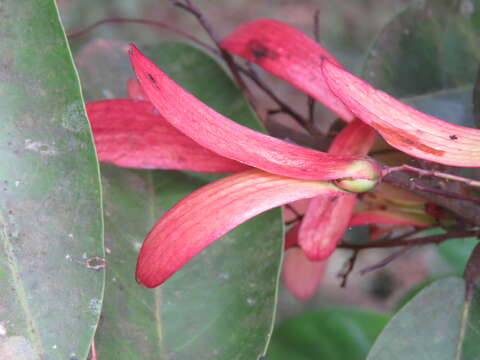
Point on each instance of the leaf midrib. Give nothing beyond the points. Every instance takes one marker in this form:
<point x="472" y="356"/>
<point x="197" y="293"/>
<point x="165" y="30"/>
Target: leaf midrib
<point x="32" y="328"/>
<point x="157" y="291"/>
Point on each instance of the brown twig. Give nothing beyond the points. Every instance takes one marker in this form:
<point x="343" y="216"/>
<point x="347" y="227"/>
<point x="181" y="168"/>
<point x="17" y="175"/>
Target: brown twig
<point x="349" y="265"/>
<point x="426" y="240"/>
<point x="387" y="260"/>
<point x="316" y="25"/>
<point x="412" y="185"/>
<point x="283" y="106"/>
<point x="298" y="216"/>
<point x="316" y="34"/>
<point x="188" y="6"/>
<point x="424" y="172"/>
<point x="158" y="24"/>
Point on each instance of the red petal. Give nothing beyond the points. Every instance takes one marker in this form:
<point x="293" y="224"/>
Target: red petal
<point x="229" y="139"/>
<point x="291" y="237"/>
<point x="390" y="217"/>
<point x="327" y="219"/>
<point x="401" y="125"/>
<point x="289" y="54"/>
<point x="134" y="90"/>
<point x="210" y="212"/>
<point x="301" y="275"/>
<point x="132" y="134"/>
<point x="324" y="224"/>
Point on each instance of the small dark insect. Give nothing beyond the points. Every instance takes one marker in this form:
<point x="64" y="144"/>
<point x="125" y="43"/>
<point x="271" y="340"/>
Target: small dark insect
<point x="453" y="137"/>
<point x="152" y="78"/>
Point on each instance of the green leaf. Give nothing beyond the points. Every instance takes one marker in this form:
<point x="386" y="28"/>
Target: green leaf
<point x="331" y="334"/>
<point x="457" y="252"/>
<point x="50" y="213"/>
<point x="438" y="324"/>
<point x="221" y="305"/>
<point x="412" y="292"/>
<point x="468" y="347"/>
<point x="430" y="48"/>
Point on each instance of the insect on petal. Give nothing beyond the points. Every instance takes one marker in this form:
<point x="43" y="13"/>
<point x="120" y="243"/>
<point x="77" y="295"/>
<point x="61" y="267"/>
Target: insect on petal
<point x="402" y="126"/>
<point x="232" y="140"/>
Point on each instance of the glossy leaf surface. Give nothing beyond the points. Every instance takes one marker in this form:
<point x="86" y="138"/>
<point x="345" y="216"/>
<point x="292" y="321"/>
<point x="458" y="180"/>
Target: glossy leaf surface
<point x="457" y="251"/>
<point x="438" y="323"/>
<point x="428" y="48"/>
<point x="214" y="308"/>
<point x="330" y="334"/>
<point x="50" y="205"/>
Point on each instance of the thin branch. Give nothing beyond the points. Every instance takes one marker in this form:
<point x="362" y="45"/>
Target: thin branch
<point x="316" y="34"/>
<point x="349" y="265"/>
<point x="387" y="260"/>
<point x="432" y="239"/>
<point x="158" y="24"/>
<point x="283" y="107"/>
<point x="424" y="172"/>
<point x="298" y="216"/>
<point x="188" y="6"/>
<point x="412" y="185"/>
<point x="295" y="212"/>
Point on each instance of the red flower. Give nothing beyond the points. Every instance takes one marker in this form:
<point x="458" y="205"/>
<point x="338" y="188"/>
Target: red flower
<point x="293" y="56"/>
<point x="285" y="173"/>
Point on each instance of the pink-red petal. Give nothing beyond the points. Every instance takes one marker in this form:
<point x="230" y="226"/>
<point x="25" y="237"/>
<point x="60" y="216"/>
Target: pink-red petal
<point x="401" y="125"/>
<point x="232" y="140"/>
<point x="134" y="90"/>
<point x="390" y="217"/>
<point x="133" y="134"/>
<point x="289" y="54"/>
<point x="210" y="212"/>
<point x="327" y="219"/>
<point x="301" y="276"/>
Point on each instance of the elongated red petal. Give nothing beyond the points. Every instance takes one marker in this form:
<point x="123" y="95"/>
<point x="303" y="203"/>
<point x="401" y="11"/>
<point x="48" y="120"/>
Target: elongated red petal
<point x="135" y="90"/>
<point x="291" y="236"/>
<point x="327" y="219"/>
<point x="229" y="139"/>
<point x="289" y="54"/>
<point x="324" y="224"/>
<point x="401" y="125"/>
<point x="301" y="275"/>
<point x="390" y="217"/>
<point x="213" y="210"/>
<point x="133" y="134"/>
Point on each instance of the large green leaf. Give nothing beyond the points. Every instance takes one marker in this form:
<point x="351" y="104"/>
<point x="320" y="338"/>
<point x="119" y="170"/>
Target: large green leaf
<point x="430" y="49"/>
<point x="330" y="334"/>
<point x="440" y="323"/>
<point x="457" y="252"/>
<point x="221" y="305"/>
<point x="50" y="213"/>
